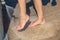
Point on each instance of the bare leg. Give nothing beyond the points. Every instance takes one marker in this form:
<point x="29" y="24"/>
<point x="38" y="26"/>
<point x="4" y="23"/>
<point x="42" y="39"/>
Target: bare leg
<point x="40" y="20"/>
<point x="23" y="16"/>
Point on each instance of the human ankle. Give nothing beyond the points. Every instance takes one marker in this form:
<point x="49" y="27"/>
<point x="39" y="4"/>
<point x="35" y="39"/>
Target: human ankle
<point x="41" y="19"/>
<point x="24" y="17"/>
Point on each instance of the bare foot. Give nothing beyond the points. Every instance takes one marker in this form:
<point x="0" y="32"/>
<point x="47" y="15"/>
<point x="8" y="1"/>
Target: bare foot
<point x="22" y="22"/>
<point x="37" y="23"/>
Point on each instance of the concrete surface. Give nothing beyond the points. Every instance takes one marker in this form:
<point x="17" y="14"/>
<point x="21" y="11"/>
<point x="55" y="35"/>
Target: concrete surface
<point x="48" y="31"/>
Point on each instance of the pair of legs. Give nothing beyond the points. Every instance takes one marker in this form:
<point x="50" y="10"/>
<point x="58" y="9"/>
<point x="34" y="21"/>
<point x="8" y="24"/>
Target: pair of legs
<point x="24" y="17"/>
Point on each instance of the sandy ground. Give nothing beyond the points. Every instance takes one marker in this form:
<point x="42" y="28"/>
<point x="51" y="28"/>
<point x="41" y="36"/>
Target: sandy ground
<point x="48" y="31"/>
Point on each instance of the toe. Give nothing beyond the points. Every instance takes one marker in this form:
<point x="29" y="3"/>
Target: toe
<point x="18" y="28"/>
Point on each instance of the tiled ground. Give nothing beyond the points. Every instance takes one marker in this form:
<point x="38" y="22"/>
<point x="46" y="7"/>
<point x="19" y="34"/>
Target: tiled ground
<point x="48" y="31"/>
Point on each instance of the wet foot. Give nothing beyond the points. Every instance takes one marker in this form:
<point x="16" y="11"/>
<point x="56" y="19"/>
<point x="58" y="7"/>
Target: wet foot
<point x="35" y="23"/>
<point x="22" y="22"/>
